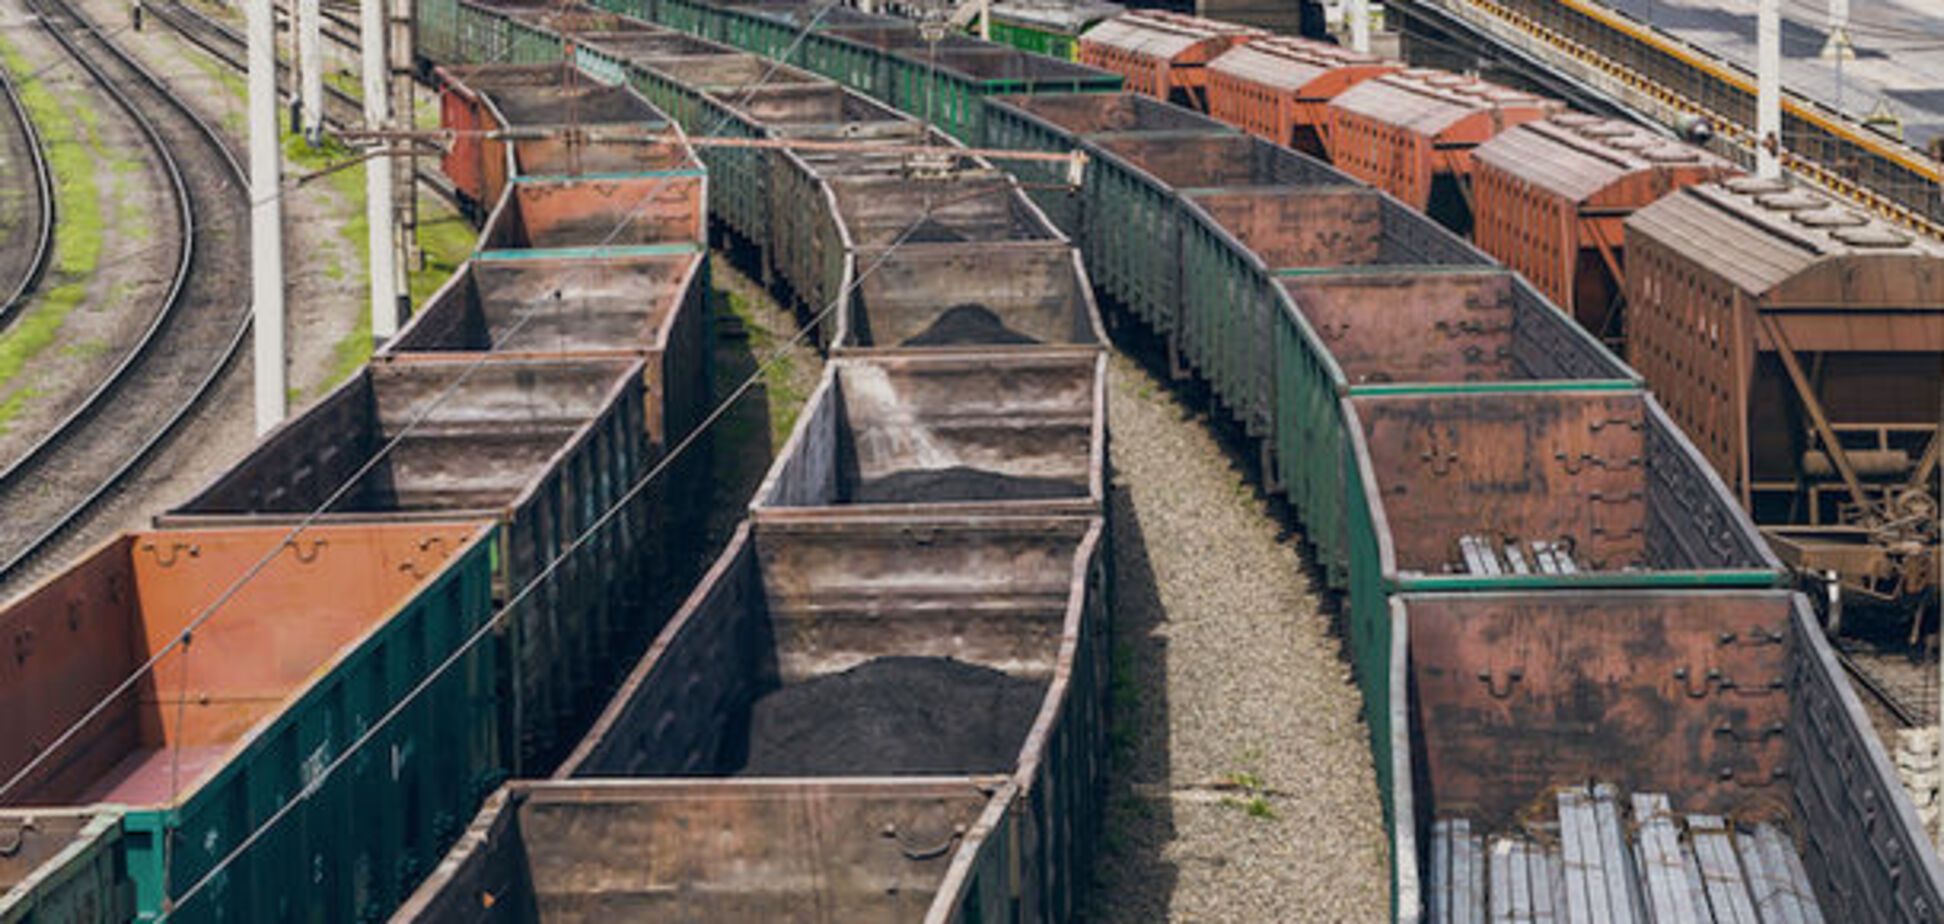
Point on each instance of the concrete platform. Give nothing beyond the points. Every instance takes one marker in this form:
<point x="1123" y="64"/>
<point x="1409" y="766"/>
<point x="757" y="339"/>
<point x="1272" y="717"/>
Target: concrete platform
<point x="1899" y="47"/>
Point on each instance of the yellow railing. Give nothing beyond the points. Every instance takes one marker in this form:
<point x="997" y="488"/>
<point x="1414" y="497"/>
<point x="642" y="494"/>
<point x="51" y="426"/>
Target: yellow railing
<point x="1731" y="131"/>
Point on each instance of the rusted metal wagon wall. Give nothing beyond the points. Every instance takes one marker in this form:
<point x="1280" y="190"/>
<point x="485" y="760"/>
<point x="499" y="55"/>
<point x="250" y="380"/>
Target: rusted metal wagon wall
<point x="1801" y="344"/>
<point x="1160" y="54"/>
<point x="720" y="850"/>
<point x="1552" y="198"/>
<point x="1056" y="122"/>
<point x="652" y="306"/>
<point x="667" y="211"/>
<point x="1279" y="87"/>
<point x="899" y="433"/>
<point x="1503" y="698"/>
<point x="565" y="109"/>
<point x="331" y="630"/>
<point x="66" y="866"/>
<point x="543" y="445"/>
<point x="1412" y="133"/>
<point x="793" y="601"/>
<point x="1134" y="218"/>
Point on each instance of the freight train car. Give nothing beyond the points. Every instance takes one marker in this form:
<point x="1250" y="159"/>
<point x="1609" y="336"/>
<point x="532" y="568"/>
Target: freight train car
<point x="1658" y="518"/>
<point x="475" y="103"/>
<point x="271" y="654"/>
<point x="872" y="852"/>
<point x="1052" y="29"/>
<point x="942" y="464"/>
<point x="1714" y="803"/>
<point x="944" y="81"/>
<point x="541" y="444"/>
<point x="1595" y="491"/>
<point x="1412" y="133"/>
<point x="1801" y="343"/>
<point x="1279" y="88"/>
<point x="1551" y="199"/>
<point x="1160" y="54"/>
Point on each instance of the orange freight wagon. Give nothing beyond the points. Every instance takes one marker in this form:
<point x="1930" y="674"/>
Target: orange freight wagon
<point x="1279" y="87"/>
<point x="1411" y="133"/>
<point x="1163" y="55"/>
<point x="1551" y="200"/>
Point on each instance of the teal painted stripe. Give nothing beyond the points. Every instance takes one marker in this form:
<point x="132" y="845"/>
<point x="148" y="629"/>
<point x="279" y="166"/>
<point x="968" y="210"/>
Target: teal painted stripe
<point x="1585" y="580"/>
<point x="627" y="175"/>
<point x="559" y="253"/>
<point x="1486" y="388"/>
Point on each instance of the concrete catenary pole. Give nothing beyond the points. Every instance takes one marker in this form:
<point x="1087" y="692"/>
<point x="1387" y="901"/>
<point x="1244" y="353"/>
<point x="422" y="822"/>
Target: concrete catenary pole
<point x="310" y="67"/>
<point x="1768" y="89"/>
<point x="266" y="217"/>
<point x="378" y="172"/>
<point x="1838" y="48"/>
<point x="1358" y="13"/>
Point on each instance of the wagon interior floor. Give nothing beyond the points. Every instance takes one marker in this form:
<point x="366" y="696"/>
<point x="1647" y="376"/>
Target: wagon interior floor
<point x="961" y="484"/>
<point x="145" y="776"/>
<point x="968" y="323"/>
<point x="894" y="715"/>
<point x="1603" y="858"/>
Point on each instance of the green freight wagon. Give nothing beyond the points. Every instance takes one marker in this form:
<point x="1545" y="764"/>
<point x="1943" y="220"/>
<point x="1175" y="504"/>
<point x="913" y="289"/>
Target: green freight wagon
<point x="1051" y="29"/>
<point x="544" y="445"/>
<point x="1059" y="122"/>
<point x="328" y="631"/>
<point x="65" y="866"/>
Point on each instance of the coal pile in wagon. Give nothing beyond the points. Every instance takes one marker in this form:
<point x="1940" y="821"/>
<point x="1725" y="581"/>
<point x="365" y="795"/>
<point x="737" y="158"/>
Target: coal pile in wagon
<point x="894" y="715"/>
<point x="961" y="484"/>
<point x="968" y="323"/>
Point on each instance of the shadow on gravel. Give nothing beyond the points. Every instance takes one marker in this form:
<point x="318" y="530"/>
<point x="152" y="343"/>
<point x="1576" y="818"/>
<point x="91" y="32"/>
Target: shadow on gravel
<point x="1242" y="451"/>
<point x="1133" y="878"/>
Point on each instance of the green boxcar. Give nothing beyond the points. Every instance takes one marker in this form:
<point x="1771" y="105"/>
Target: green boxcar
<point x="65" y="866"/>
<point x="336" y="628"/>
<point x="1310" y="264"/>
<point x="1057" y="122"/>
<point x="546" y="473"/>
<point x="1606" y="473"/>
<point x="1500" y="699"/>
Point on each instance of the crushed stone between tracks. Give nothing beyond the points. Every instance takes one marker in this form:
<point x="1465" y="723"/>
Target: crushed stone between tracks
<point x="1241" y="788"/>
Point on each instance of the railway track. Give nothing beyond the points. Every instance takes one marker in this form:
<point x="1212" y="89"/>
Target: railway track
<point x="341" y="109"/>
<point x="25" y="245"/>
<point x="1905" y="688"/>
<point x="197" y="332"/>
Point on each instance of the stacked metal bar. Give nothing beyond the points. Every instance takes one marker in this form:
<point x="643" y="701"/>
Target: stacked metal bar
<point x="1602" y="860"/>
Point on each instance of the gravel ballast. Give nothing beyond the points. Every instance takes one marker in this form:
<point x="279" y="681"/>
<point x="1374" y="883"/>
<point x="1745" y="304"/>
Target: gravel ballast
<point x="1241" y="785"/>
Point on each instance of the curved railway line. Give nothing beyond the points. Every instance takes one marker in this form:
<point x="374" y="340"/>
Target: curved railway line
<point x="223" y="43"/>
<point x="195" y="335"/>
<point x="28" y="243"/>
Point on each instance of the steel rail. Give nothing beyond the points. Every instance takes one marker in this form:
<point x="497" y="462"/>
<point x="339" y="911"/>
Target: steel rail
<point x="40" y="462"/>
<point x="43" y="182"/>
<point x="225" y="45"/>
<point x="1904" y="713"/>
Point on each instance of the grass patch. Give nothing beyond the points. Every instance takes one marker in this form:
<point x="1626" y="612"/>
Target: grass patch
<point x="12" y="405"/>
<point x="72" y="142"/>
<point x="447" y="240"/>
<point x="786" y="399"/>
<point x="85" y="349"/>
